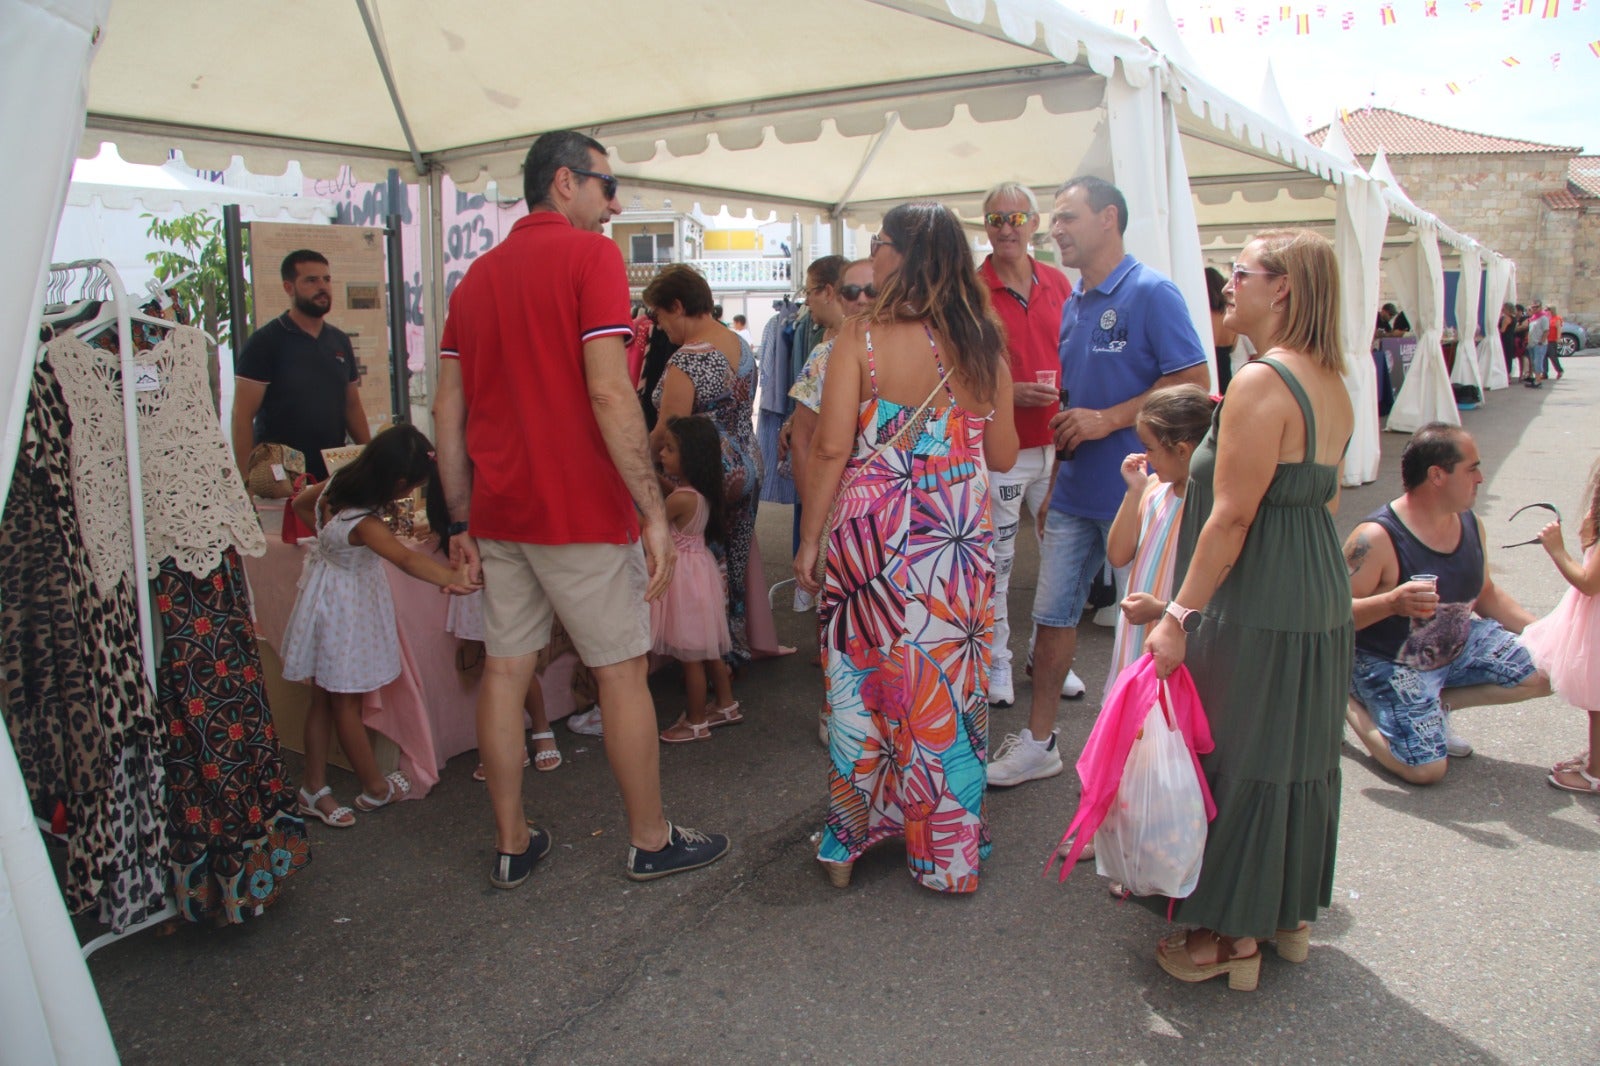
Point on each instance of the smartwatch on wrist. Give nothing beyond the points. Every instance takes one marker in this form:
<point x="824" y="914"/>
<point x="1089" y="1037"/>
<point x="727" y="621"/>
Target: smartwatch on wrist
<point x="455" y="529"/>
<point x="1188" y="620"/>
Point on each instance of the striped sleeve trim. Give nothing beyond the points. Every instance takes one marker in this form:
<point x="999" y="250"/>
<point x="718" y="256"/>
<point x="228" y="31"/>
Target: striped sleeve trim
<point x="449" y="353"/>
<point x="608" y="331"/>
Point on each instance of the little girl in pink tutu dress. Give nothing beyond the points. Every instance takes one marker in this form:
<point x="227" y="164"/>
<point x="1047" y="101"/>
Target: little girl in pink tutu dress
<point x="690" y="621"/>
<point x="1565" y="643"/>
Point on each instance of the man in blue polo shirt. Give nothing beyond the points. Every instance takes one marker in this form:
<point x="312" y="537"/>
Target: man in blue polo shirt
<point x="1125" y="332"/>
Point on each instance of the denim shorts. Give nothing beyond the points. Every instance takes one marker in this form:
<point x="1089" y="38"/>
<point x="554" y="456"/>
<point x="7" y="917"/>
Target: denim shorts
<point x="1074" y="551"/>
<point x="1404" y="703"/>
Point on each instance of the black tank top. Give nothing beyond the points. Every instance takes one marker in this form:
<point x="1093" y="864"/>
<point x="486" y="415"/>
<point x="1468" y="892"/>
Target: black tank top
<point x="1429" y="643"/>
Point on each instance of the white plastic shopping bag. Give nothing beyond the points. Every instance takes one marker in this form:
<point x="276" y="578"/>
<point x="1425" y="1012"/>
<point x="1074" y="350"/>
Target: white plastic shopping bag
<point x="1154" y="835"/>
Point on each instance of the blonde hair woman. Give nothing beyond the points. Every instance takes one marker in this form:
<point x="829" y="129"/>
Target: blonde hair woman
<point x="1262" y="617"/>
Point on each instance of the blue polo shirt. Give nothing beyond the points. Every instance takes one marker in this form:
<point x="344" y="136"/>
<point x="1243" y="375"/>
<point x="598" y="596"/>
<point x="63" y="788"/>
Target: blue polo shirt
<point x="1116" y="340"/>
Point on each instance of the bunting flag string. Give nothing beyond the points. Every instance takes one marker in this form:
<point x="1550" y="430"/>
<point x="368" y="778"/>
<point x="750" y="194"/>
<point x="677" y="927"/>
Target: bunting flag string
<point x="1265" y="16"/>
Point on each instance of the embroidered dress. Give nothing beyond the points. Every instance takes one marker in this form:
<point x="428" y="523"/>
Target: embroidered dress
<point x="907" y="618"/>
<point x="1565" y="644"/>
<point x="690" y="621"/>
<point x="341" y="633"/>
<point x="235" y="835"/>
<point x="1151" y="572"/>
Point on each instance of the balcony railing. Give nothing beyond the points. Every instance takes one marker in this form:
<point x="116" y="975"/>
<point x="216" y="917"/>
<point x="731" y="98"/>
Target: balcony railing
<point x="755" y="273"/>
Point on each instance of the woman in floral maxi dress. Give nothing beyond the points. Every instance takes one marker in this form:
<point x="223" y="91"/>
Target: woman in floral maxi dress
<point x="906" y="608"/>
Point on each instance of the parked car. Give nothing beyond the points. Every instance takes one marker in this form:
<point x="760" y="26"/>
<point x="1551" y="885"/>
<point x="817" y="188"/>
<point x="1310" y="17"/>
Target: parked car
<point x="1574" y="338"/>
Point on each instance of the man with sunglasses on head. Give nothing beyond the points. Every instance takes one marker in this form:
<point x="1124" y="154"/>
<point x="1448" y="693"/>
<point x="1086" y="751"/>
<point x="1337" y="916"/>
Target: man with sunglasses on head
<point x="1125" y="331"/>
<point x="543" y="457"/>
<point x="1028" y="297"/>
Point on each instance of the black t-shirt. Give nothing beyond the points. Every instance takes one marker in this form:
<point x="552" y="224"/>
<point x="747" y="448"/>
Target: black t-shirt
<point x="307" y="379"/>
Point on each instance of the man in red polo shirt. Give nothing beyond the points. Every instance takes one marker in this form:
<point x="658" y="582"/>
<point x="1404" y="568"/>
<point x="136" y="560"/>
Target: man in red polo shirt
<point x="543" y="455"/>
<point x="1028" y="297"/>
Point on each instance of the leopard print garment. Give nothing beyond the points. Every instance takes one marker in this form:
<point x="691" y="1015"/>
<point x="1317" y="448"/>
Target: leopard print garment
<point x="79" y="710"/>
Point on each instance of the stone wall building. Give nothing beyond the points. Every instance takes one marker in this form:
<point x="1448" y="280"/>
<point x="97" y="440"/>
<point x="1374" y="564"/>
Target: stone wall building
<point x="1537" y="203"/>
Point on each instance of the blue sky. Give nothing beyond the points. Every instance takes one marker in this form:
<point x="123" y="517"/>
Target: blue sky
<point x="1406" y="65"/>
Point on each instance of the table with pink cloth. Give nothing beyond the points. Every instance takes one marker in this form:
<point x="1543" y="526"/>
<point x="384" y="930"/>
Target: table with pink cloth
<point x="429" y="711"/>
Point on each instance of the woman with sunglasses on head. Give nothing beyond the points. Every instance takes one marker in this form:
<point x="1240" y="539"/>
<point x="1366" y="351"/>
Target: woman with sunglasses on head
<point x="1262" y="618"/>
<point x="915" y="412"/>
<point x="713" y="373"/>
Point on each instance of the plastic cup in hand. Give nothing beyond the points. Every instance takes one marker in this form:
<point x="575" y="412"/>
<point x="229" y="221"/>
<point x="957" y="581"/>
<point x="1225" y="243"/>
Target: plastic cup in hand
<point x="1432" y="581"/>
<point x="1045" y="377"/>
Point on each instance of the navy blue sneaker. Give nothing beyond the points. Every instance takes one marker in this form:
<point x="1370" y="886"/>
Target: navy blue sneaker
<point x="511" y="870"/>
<point x="687" y="849"/>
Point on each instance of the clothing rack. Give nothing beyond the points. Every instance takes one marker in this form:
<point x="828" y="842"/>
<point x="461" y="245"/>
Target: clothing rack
<point x="99" y="281"/>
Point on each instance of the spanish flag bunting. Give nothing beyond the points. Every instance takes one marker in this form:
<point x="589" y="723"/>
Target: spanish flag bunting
<point x="1512" y="61"/>
<point x="1386" y="15"/>
<point x="1594" y="46"/>
<point x="1474" y="5"/>
<point x="1552" y="8"/>
<point x="1285" y="13"/>
<point x="1453" y="87"/>
<point x="1526" y="7"/>
<point x="1117" y="16"/>
<point x="1431" y="9"/>
<point x="1216" y="24"/>
<point x="1302" y="25"/>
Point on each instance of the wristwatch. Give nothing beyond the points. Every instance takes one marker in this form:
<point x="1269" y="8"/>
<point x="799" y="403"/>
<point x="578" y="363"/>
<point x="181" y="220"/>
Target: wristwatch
<point x="455" y="529"/>
<point x="1188" y="620"/>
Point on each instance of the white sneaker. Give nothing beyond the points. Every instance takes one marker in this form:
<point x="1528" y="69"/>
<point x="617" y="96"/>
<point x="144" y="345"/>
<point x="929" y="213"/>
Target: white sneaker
<point x="1021" y="758"/>
<point x="1072" y="687"/>
<point x="803" y="600"/>
<point x="1001" y="691"/>
<point x="587" y="723"/>
<point x="1454" y="745"/>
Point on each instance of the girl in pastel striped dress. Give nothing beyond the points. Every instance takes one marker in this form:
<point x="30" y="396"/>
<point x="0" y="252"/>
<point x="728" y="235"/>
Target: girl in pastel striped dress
<point x="1171" y="423"/>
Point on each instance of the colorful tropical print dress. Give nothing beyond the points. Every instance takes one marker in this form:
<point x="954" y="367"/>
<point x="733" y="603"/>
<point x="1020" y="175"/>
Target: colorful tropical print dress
<point x="907" y="618"/>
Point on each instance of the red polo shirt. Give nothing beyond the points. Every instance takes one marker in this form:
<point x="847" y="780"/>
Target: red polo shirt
<point x="1033" y="337"/>
<point x="517" y="324"/>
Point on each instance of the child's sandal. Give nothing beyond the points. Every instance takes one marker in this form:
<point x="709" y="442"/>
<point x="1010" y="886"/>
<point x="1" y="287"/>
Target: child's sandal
<point x="399" y="789"/>
<point x="697" y="731"/>
<point x="720" y="716"/>
<point x="339" y="817"/>
<point x="548" y="759"/>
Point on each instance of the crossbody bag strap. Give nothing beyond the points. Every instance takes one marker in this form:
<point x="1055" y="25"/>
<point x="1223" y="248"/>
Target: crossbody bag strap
<point x="891" y="442"/>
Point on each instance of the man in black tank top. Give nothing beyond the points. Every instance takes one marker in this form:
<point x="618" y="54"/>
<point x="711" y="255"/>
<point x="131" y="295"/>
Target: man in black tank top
<point x="1428" y="615"/>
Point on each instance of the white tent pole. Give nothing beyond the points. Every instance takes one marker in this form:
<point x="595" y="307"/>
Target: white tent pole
<point x="430" y="204"/>
<point x="889" y="124"/>
<point x="375" y="38"/>
<point x="49" y="45"/>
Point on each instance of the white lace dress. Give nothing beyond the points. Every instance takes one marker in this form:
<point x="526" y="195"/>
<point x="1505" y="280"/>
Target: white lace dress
<point x="341" y="633"/>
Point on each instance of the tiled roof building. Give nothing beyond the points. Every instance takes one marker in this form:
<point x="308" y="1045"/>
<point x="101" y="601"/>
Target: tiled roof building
<point x="1537" y="203"/>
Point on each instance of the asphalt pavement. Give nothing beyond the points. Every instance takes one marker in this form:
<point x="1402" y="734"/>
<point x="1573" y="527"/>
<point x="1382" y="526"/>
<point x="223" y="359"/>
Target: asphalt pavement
<point x="1464" y="928"/>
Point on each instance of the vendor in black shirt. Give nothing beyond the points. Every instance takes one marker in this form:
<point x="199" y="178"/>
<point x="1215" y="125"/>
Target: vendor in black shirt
<point x="295" y="382"/>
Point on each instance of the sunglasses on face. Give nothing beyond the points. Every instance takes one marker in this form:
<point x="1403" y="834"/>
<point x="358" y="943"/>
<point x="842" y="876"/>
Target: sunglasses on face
<point x="1239" y="274"/>
<point x="852" y="293"/>
<point x="1016" y="219"/>
<point x="881" y="242"/>
<point x="608" y="182"/>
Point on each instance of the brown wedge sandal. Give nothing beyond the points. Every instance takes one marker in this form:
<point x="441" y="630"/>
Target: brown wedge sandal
<point x="838" y="872"/>
<point x="1243" y="973"/>
<point x="1294" y="945"/>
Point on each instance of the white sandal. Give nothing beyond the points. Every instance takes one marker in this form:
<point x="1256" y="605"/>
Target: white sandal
<point x="339" y="817"/>
<point x="545" y="761"/>
<point x="1591" y="783"/>
<point x="398" y="783"/>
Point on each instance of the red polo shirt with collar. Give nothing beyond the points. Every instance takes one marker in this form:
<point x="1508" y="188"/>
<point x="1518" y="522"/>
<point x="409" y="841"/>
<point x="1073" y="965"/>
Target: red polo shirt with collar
<point x="517" y="325"/>
<point x="1033" y="333"/>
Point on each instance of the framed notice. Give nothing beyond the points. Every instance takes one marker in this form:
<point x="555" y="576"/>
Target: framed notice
<point x="357" y="261"/>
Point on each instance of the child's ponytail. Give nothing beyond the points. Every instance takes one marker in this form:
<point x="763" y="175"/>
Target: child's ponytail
<point x="700" y="457"/>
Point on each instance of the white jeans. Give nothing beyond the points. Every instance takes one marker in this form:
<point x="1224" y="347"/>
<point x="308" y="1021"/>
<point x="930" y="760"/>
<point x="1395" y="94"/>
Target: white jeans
<point x="1028" y="480"/>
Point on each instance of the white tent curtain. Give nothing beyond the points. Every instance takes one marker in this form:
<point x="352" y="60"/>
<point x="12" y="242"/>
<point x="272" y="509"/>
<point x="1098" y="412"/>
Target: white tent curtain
<point x="1467" y="370"/>
<point x="1491" y="354"/>
<point x="48" y="1008"/>
<point x="1359" y="226"/>
<point x="1426" y="395"/>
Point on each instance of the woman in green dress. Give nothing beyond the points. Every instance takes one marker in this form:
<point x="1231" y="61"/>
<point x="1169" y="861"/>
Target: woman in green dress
<point x="1262" y="618"/>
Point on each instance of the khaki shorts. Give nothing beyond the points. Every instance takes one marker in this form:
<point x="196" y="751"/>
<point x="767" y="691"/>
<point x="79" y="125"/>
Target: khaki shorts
<point x="597" y="589"/>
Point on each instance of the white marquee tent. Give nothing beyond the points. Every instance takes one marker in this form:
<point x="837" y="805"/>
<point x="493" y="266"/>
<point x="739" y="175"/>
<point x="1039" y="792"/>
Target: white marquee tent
<point x="835" y="107"/>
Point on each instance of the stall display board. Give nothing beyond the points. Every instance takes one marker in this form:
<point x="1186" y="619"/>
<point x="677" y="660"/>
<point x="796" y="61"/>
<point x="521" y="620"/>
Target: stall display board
<point x="357" y="261"/>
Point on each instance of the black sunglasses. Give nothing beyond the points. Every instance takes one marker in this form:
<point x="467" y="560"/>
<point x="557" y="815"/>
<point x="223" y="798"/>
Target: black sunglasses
<point x="854" y="292"/>
<point x="608" y="182"/>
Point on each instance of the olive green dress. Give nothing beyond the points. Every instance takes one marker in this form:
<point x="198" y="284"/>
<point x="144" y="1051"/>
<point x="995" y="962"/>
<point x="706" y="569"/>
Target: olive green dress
<point x="1272" y="663"/>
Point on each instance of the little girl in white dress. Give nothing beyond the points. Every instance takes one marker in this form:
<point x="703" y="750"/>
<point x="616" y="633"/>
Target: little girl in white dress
<point x="341" y="634"/>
